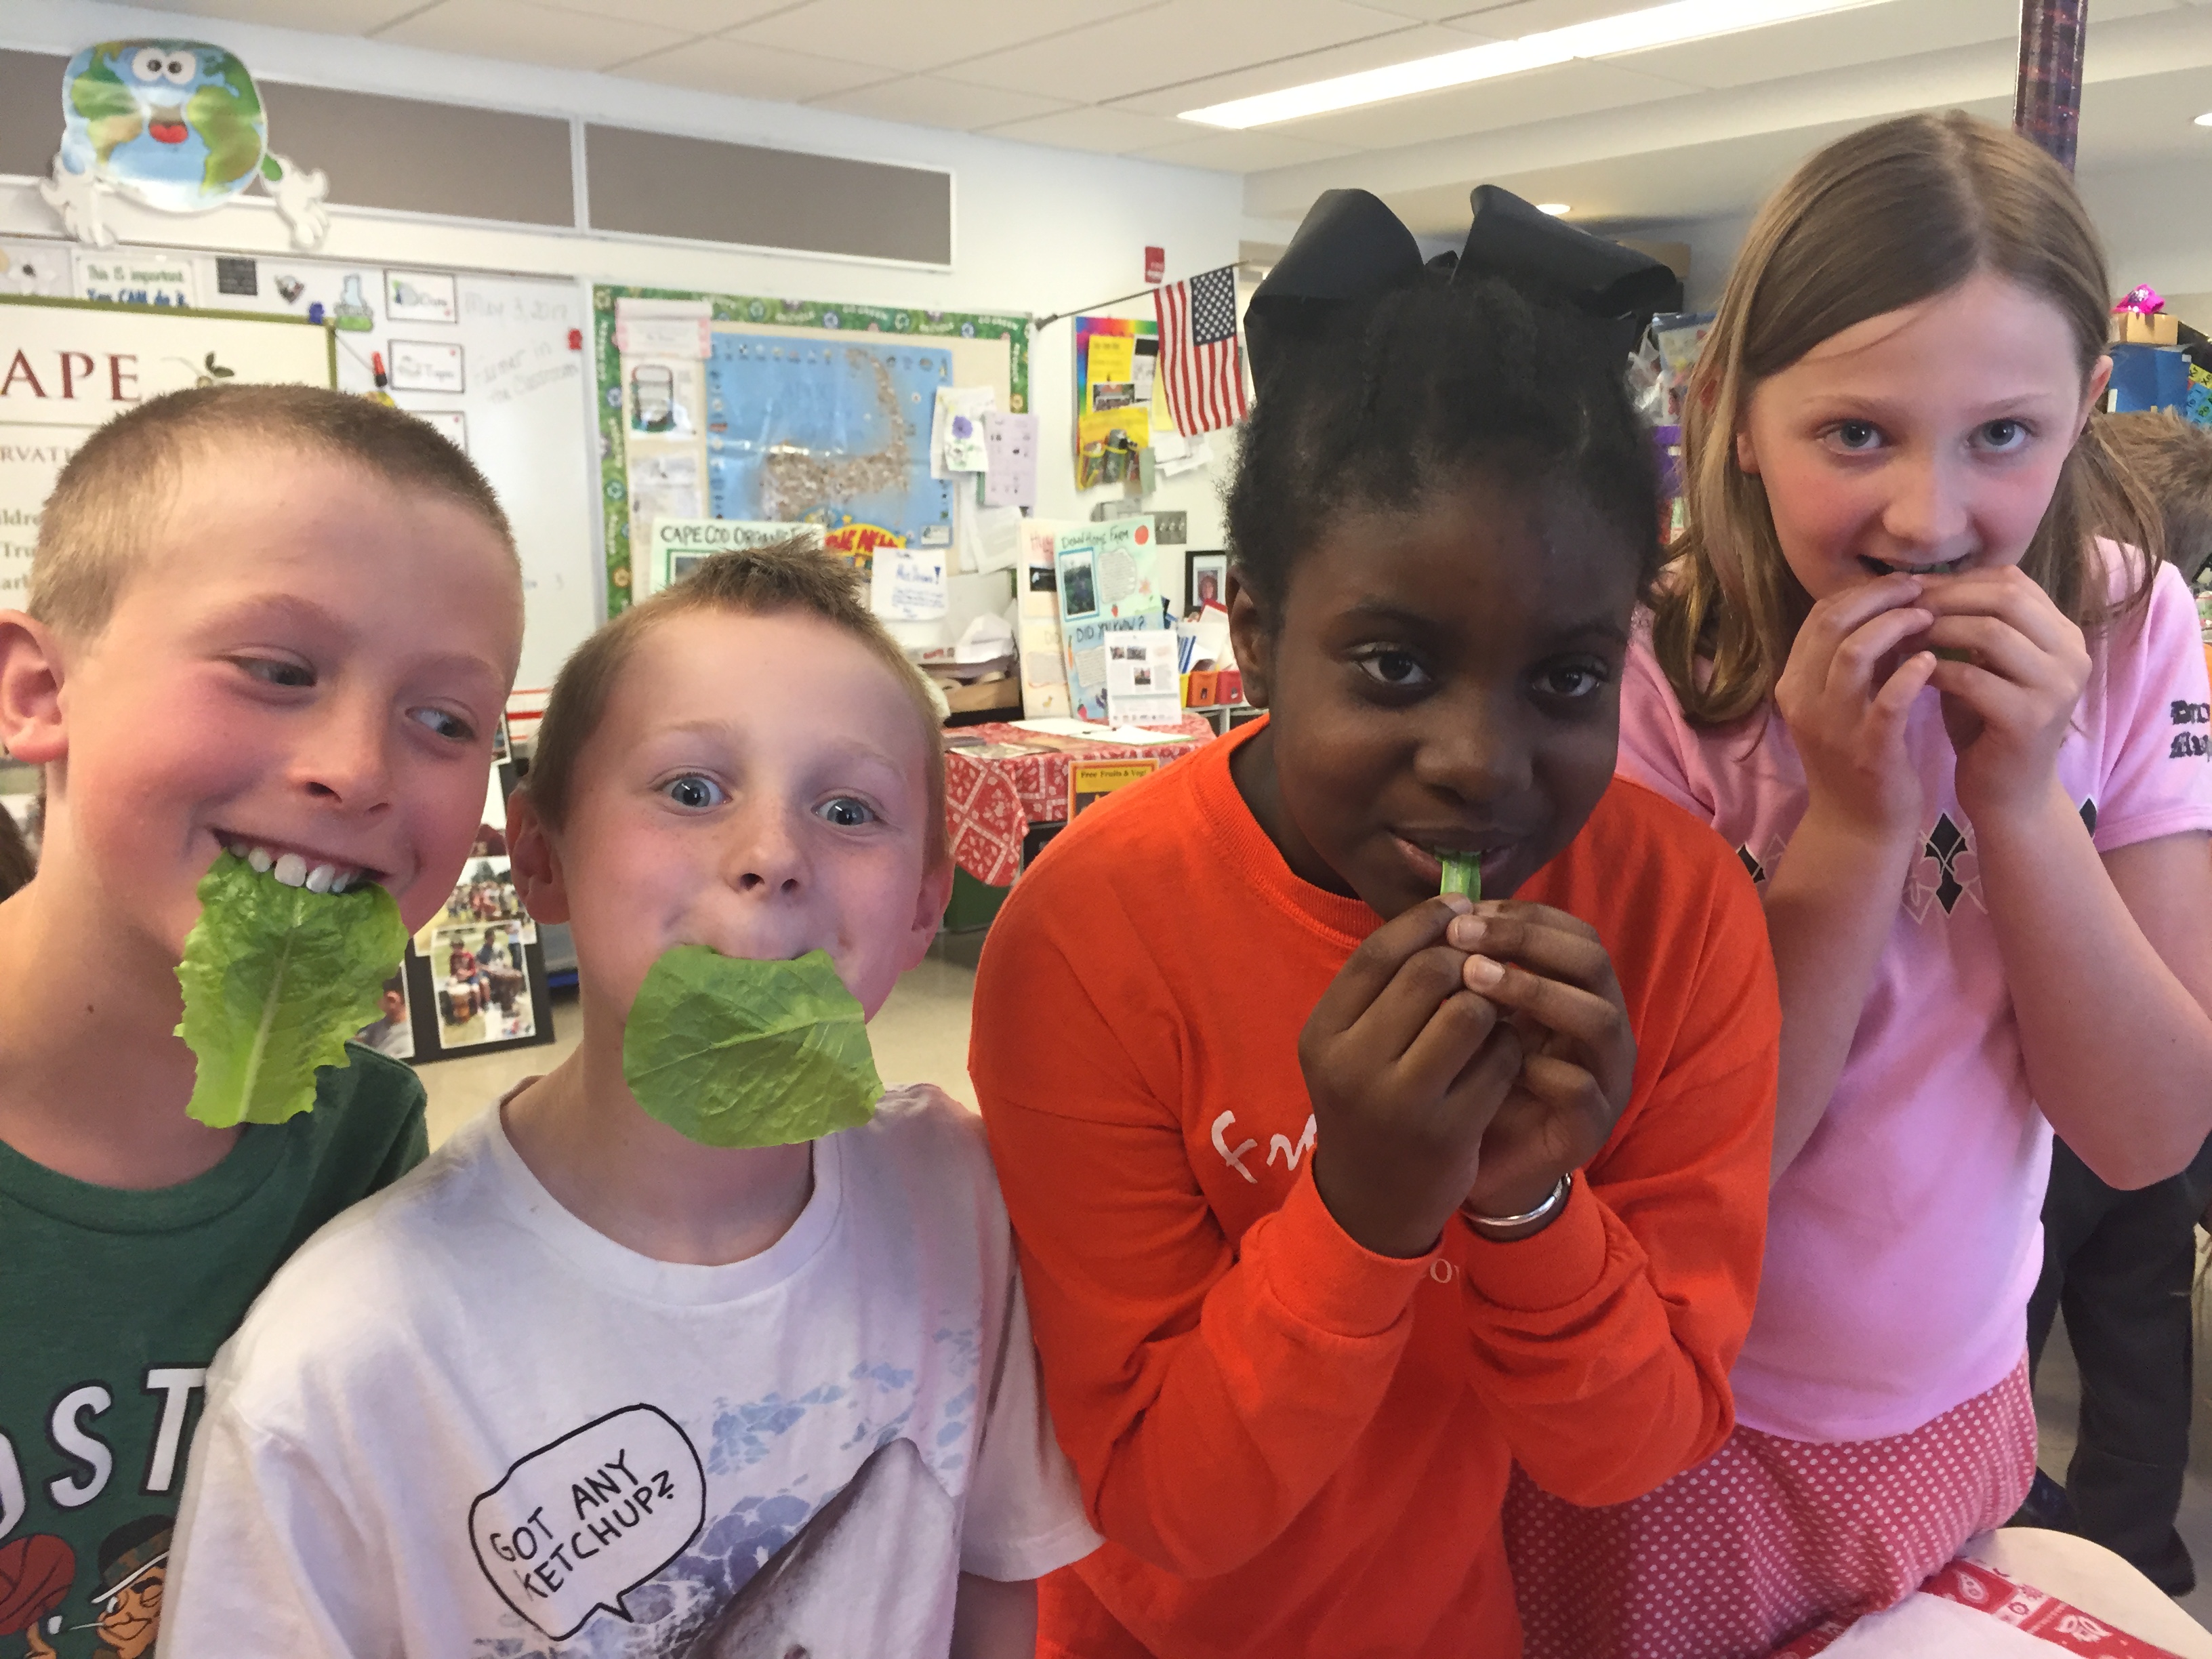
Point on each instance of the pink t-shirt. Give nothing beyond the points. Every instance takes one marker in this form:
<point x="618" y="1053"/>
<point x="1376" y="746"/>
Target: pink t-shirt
<point x="1905" y="1238"/>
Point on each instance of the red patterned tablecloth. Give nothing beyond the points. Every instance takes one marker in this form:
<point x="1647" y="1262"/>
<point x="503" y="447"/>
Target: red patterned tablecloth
<point x="2065" y="1627"/>
<point x="991" y="800"/>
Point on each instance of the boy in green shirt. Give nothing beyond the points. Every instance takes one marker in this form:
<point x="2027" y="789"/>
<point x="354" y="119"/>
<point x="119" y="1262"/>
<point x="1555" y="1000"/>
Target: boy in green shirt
<point x="270" y="619"/>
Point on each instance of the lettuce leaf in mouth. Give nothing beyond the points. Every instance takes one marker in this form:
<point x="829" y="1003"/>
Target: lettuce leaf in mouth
<point x="736" y="1053"/>
<point x="275" y="979"/>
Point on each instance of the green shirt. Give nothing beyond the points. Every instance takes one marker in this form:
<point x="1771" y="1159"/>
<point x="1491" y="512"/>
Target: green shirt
<point x="112" y="1304"/>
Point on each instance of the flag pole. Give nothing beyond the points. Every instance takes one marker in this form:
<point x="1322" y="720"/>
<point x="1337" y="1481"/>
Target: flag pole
<point x="1101" y="305"/>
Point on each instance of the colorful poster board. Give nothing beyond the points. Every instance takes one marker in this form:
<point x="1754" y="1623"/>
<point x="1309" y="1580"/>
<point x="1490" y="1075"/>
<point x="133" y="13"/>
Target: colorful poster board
<point x="665" y="361"/>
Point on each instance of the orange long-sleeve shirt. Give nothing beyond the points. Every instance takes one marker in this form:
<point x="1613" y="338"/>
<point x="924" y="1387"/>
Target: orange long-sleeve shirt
<point x="1292" y="1445"/>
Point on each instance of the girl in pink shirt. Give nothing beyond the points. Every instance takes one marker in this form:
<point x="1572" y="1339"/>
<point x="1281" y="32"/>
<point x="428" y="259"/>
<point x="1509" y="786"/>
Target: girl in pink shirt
<point x="1959" y="743"/>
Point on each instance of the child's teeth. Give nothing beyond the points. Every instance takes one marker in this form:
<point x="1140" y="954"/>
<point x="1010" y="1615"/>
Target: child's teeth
<point x="319" y="878"/>
<point x="292" y="869"/>
<point x="339" y="884"/>
<point x="260" y="859"/>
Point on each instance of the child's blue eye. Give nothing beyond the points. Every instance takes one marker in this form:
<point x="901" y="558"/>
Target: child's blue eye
<point x="847" y="813"/>
<point x="1857" y="435"/>
<point x="2002" y="434"/>
<point x="1399" y="670"/>
<point x="445" y="723"/>
<point x="694" y="792"/>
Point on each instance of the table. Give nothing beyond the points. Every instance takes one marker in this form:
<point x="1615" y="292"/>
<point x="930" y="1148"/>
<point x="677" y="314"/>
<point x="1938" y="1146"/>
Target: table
<point x="1000" y="780"/>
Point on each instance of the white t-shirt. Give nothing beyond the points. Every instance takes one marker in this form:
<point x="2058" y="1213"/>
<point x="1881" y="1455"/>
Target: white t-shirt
<point x="461" y="1423"/>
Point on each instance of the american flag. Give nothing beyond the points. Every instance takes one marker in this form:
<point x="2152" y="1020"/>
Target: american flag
<point x="1197" y="350"/>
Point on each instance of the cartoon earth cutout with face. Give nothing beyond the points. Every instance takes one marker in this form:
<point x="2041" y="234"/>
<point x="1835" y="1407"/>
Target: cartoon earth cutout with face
<point x="174" y="124"/>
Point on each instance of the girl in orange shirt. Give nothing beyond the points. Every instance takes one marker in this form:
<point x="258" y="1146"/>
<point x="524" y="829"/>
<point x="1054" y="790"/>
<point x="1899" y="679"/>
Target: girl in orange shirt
<point x="1335" y="1196"/>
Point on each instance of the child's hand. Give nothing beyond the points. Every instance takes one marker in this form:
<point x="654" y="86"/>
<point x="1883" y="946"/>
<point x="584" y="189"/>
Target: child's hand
<point x="2008" y="709"/>
<point x="1406" y="1068"/>
<point x="1846" y="706"/>
<point x="1552" y="972"/>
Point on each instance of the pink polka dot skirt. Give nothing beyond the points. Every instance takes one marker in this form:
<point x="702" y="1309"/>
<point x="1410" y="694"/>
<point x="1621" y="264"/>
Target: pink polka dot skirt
<point x="1767" y="1537"/>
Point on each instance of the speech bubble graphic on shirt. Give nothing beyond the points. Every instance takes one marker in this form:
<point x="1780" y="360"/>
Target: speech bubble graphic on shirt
<point x="578" y="1524"/>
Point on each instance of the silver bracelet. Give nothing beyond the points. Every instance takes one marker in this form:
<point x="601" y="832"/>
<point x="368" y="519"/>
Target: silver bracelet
<point x="1544" y="1211"/>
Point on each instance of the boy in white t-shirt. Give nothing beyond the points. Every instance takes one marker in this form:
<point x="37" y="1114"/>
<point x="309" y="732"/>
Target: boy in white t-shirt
<point x="583" y="1384"/>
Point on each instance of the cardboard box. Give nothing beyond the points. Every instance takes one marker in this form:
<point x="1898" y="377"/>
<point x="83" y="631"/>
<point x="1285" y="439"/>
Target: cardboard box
<point x="2135" y="328"/>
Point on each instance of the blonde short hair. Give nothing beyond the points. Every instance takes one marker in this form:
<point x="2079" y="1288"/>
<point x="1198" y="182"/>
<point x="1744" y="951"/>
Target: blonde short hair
<point x="1879" y="220"/>
<point x="106" y="506"/>
<point x="789" y="577"/>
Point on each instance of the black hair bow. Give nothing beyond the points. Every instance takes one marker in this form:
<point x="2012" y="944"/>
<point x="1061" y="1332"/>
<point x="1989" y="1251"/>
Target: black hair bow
<point x="1349" y="246"/>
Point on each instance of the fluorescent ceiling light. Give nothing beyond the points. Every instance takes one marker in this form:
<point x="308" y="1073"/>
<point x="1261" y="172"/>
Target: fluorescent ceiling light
<point x="2205" y="119"/>
<point x="1604" y="37"/>
<point x="1557" y="210"/>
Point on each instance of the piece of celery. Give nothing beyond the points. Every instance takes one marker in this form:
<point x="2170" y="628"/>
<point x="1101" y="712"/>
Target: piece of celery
<point x="1462" y="874"/>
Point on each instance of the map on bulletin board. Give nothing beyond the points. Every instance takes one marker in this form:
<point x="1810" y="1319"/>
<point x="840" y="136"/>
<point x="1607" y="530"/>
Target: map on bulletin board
<point x="816" y="437"/>
<point x="829" y="432"/>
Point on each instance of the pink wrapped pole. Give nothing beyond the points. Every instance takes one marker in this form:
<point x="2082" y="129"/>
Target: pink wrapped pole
<point x="2047" y="106"/>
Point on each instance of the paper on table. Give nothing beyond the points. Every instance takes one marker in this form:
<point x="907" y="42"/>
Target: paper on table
<point x="1094" y="732"/>
<point x="907" y="584"/>
<point x="1011" y="443"/>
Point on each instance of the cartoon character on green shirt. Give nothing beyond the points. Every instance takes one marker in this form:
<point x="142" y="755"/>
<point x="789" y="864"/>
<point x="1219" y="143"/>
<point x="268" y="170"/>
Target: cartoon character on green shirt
<point x="35" y="1573"/>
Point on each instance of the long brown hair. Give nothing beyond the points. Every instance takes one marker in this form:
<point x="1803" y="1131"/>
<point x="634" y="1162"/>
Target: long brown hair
<point x="1883" y="219"/>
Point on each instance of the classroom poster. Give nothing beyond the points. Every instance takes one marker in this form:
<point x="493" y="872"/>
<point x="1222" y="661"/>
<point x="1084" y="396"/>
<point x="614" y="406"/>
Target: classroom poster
<point x="1116" y="358"/>
<point x="67" y="366"/>
<point x="861" y="359"/>
<point x="1108" y="584"/>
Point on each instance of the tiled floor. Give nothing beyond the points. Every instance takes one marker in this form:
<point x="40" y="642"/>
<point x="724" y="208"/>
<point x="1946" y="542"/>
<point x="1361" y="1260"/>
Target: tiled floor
<point x="921" y="1036"/>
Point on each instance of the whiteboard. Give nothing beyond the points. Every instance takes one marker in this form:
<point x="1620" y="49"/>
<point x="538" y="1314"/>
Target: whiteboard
<point x="515" y="395"/>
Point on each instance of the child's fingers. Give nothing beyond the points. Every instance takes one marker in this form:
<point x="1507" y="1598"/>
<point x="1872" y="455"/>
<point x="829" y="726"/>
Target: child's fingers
<point x="2004" y="650"/>
<point x="1528" y="935"/>
<point x="1383" y="1033"/>
<point x="1444" y="1048"/>
<point x="1542" y="914"/>
<point x="1892" y="707"/>
<point x="1598" y="1025"/>
<point x="1486" y="1082"/>
<point x="1379" y="957"/>
<point x="1857" y="660"/>
<point x="2010" y="595"/>
<point x="1999" y="702"/>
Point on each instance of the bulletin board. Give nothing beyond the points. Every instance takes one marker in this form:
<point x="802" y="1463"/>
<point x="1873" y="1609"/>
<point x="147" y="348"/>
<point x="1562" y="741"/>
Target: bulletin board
<point x="486" y="358"/>
<point x="788" y="411"/>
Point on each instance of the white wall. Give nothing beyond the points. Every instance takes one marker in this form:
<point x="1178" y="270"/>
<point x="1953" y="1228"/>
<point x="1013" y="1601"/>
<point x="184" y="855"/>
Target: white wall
<point x="1036" y="229"/>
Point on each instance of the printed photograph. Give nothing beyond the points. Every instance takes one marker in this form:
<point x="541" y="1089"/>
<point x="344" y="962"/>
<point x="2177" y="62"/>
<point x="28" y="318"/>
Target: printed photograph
<point x="483" y="986"/>
<point x="393" y="1031"/>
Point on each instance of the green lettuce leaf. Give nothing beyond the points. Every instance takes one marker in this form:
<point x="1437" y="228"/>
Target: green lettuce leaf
<point x="275" y="979"/>
<point x="733" y="1052"/>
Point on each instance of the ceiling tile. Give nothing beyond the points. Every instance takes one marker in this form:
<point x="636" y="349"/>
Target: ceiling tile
<point x="1539" y="95"/>
<point x="1817" y="45"/>
<point x="925" y="101"/>
<point x="1516" y="18"/>
<point x="1109" y="132"/>
<point x="915" y="37"/>
<point x="1179" y="42"/>
<point x="724" y="66"/>
<point x="686" y="17"/>
<point x="324" y="16"/>
<point x="1401" y="45"/>
<point x="522" y="32"/>
<point x="1241" y="152"/>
